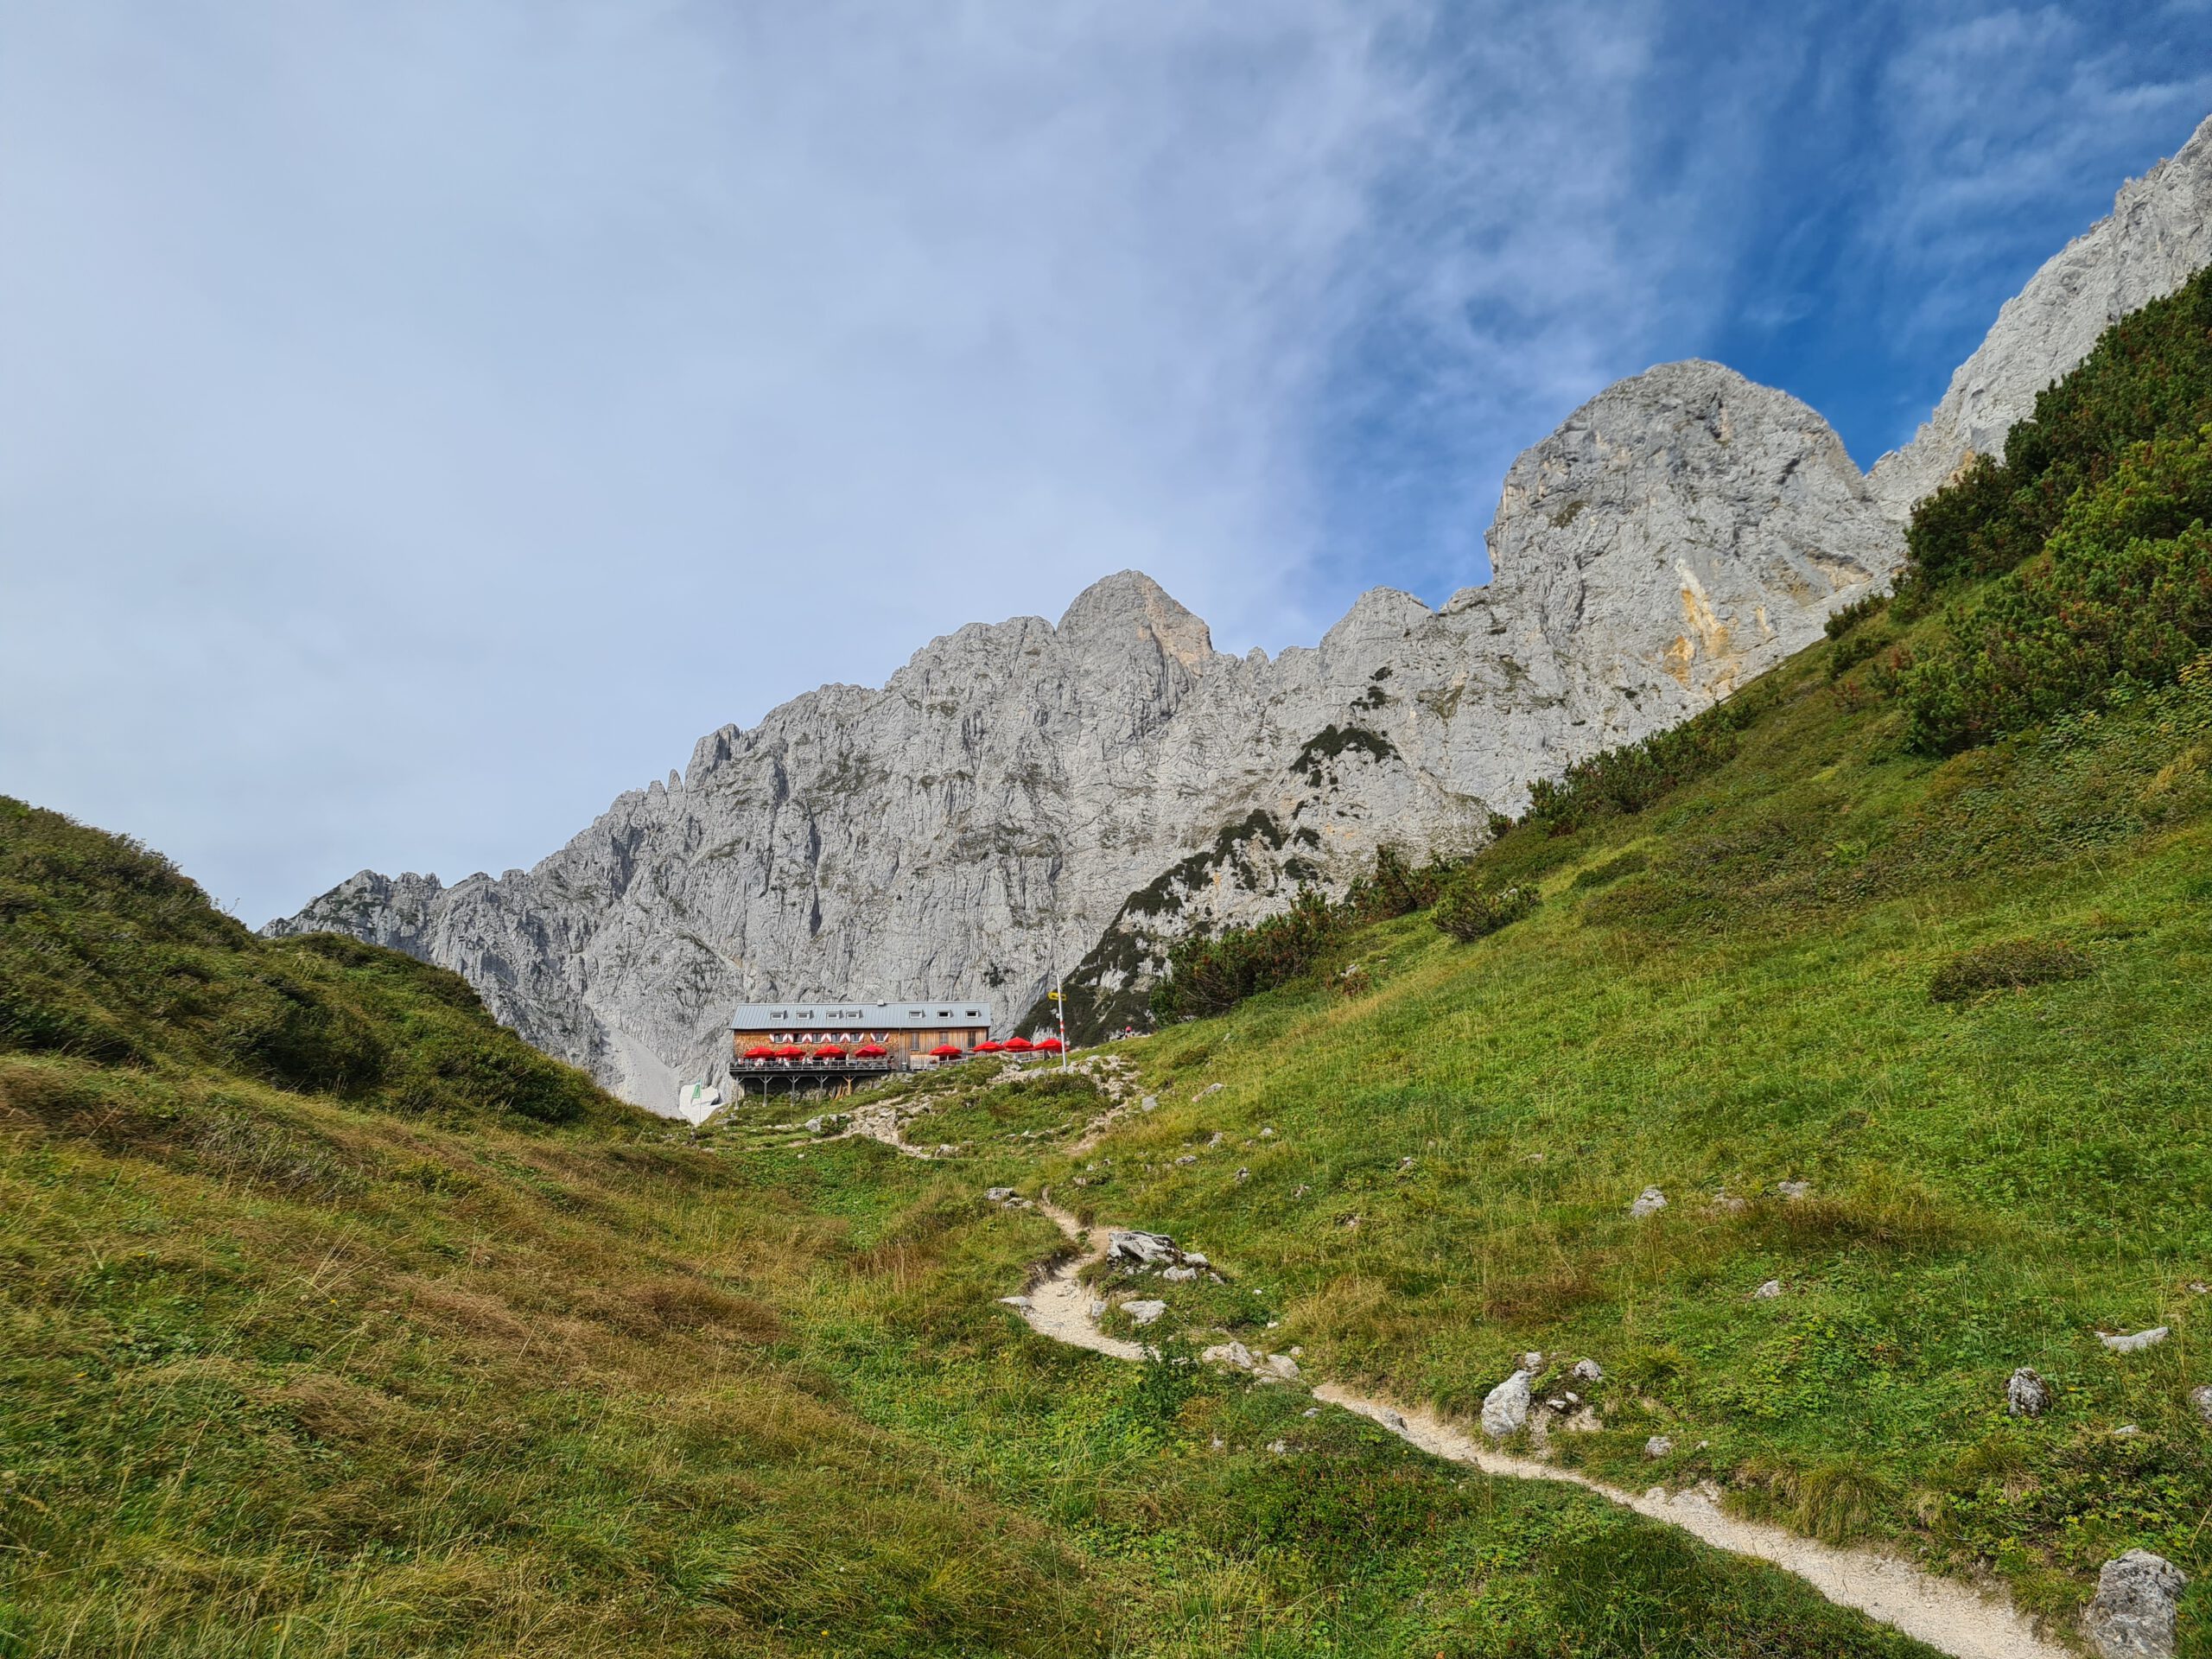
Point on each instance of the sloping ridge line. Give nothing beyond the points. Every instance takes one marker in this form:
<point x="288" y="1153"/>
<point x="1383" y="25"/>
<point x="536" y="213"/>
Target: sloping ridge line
<point x="1947" y="1616"/>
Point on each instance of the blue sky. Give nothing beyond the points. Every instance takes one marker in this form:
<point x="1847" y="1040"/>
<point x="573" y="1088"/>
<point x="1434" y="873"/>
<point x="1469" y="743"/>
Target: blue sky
<point x="420" y="423"/>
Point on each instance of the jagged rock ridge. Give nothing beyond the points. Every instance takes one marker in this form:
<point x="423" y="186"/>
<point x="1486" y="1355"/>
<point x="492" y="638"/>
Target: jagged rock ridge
<point x="1021" y="793"/>
<point x="978" y="821"/>
<point x="2158" y="235"/>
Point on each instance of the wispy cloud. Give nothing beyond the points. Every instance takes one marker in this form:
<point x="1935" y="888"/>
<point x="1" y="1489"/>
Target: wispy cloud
<point x="421" y="421"/>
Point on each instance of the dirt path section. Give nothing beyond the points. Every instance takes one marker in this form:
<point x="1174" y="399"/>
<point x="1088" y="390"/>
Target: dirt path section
<point x="1949" y="1617"/>
<point x="1058" y="1303"/>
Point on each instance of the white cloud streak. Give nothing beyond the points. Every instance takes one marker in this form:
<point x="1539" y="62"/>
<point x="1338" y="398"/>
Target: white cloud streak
<point x="420" y="422"/>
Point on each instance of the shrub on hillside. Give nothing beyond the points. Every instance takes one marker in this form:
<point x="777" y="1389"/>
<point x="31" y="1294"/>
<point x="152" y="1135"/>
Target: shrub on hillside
<point x="1632" y="776"/>
<point x="2149" y="377"/>
<point x="2120" y="597"/>
<point x="1212" y="974"/>
<point x="1397" y="887"/>
<point x="2012" y="964"/>
<point x="1470" y="910"/>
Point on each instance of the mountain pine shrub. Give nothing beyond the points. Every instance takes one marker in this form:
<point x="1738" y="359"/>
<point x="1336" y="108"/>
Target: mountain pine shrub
<point x="2149" y="376"/>
<point x="1212" y="974"/>
<point x="2119" y="599"/>
<point x="1631" y="778"/>
<point x="1471" y="910"/>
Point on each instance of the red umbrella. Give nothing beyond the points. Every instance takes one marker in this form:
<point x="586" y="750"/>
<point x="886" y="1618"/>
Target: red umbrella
<point x="790" y="1052"/>
<point x="947" y="1051"/>
<point x="1047" y="1045"/>
<point x="988" y="1048"/>
<point x="1018" y="1045"/>
<point x="759" y="1051"/>
<point x="870" y="1052"/>
<point x="829" y="1050"/>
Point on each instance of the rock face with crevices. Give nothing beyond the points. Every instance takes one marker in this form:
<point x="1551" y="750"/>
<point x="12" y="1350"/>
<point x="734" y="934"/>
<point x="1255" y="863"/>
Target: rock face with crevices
<point x="989" y="813"/>
<point x="2158" y="235"/>
<point x="2132" y="1616"/>
<point x="1025" y="796"/>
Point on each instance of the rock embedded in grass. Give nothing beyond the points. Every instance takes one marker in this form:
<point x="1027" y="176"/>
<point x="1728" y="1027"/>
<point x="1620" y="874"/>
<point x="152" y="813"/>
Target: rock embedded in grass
<point x="1767" y="1292"/>
<point x="1143" y="1249"/>
<point x="2026" y="1394"/>
<point x="1793" y="1191"/>
<point x="2136" y="1342"/>
<point x="1658" y="1447"/>
<point x="1505" y="1407"/>
<point x="1588" y="1370"/>
<point x="1649" y="1202"/>
<point x="2132" y="1616"/>
<point x="2202" y="1398"/>
<point x="1144" y="1312"/>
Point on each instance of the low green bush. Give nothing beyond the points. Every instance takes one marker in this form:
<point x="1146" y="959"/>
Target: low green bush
<point x="2012" y="964"/>
<point x="1470" y="910"/>
<point x="1632" y="776"/>
<point x="2149" y="376"/>
<point x="1212" y="974"/>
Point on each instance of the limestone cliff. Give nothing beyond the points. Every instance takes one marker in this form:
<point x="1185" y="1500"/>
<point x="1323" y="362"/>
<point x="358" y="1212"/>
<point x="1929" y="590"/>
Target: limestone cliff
<point x="2158" y="236"/>
<point x="979" y="821"/>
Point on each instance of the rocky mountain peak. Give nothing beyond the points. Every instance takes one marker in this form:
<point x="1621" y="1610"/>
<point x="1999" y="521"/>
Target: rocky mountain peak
<point x="1020" y="794"/>
<point x="1129" y="608"/>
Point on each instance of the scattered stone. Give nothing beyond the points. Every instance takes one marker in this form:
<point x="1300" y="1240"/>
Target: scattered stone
<point x="1267" y="1134"/>
<point x="1243" y="1174"/>
<point x="1210" y="1089"/>
<point x="1405" y="1163"/>
<point x="1214" y="1139"/>
<point x="1297" y="1352"/>
<point x="1311" y="1411"/>
<point x="1235" y="1355"/>
<point x="2127" y="1432"/>
<point x="1098" y="1307"/>
<point x="1143" y="1313"/>
<point x="998" y="1194"/>
<point x="1179" y="1276"/>
<point x="2137" y="1343"/>
<point x="1192" y="1258"/>
<point x="2026" y="1394"/>
<point x="1391" y="1420"/>
<point x="1282" y="1365"/>
<point x="1533" y="1361"/>
<point x="1727" y="1204"/>
<point x="1793" y="1190"/>
<point x="1588" y="1370"/>
<point x="1218" y="1443"/>
<point x="1649" y="1202"/>
<point x="1145" y="1250"/>
<point x="1658" y="1447"/>
<point x="2202" y="1398"/>
<point x="2198" y="1288"/>
<point x="1303" y="1190"/>
<point x="1767" y="1292"/>
<point x="1505" y="1407"/>
<point x="2133" y="1616"/>
<point x="1151" y="1103"/>
<point x="1278" y="1448"/>
<point x="1187" y="1159"/>
<point x="1017" y="1302"/>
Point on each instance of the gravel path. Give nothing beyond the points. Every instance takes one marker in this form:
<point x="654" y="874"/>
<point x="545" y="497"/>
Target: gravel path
<point x="1949" y="1617"/>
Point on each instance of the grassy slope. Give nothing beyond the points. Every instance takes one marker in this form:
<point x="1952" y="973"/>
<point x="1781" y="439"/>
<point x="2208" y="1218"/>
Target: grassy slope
<point x="1730" y="991"/>
<point x="333" y="1321"/>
